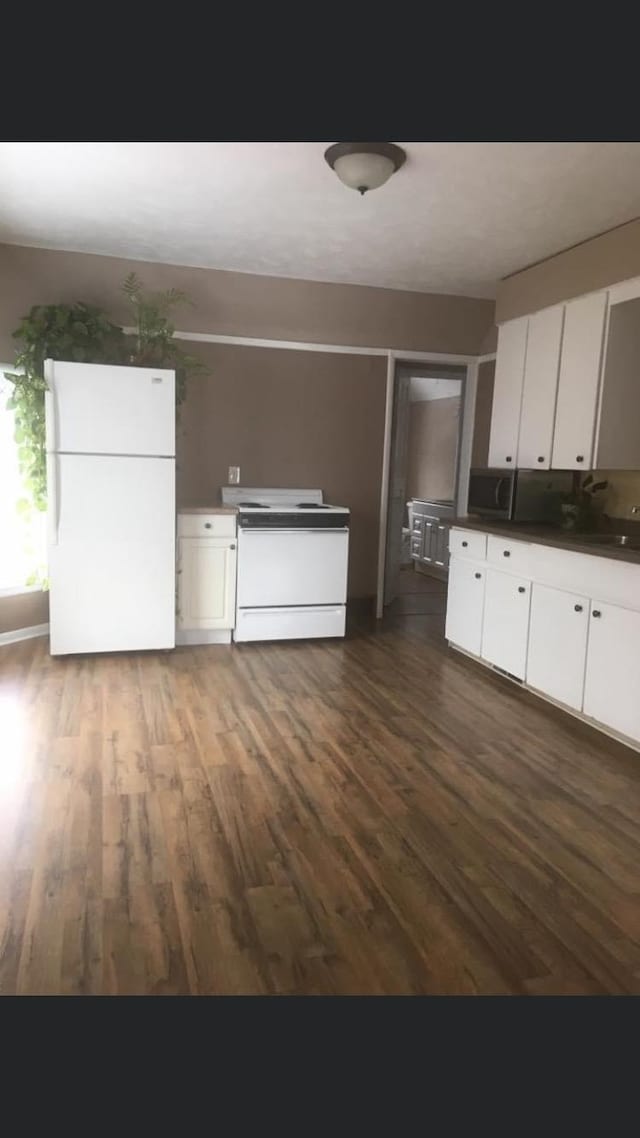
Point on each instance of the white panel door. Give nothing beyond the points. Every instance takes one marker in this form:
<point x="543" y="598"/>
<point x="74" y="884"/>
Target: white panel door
<point x="557" y="649"/>
<point x="506" y="622"/>
<point x="292" y="567"/>
<point x="104" y="409"/>
<point x="465" y="604"/>
<point x="612" y="680"/>
<point x="507" y="392"/>
<point x="206" y="582"/>
<point x="540" y="388"/>
<point x="578" y="382"/>
<point x="111" y="553"/>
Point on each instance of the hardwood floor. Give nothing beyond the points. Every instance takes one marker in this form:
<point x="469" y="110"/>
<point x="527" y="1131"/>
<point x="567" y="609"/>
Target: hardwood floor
<point x="375" y="815"/>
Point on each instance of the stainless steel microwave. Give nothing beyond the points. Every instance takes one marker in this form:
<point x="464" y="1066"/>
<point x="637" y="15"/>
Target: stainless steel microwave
<point x="519" y="495"/>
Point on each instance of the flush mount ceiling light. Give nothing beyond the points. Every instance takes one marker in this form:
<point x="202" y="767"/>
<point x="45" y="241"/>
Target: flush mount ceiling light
<point x="364" y="165"/>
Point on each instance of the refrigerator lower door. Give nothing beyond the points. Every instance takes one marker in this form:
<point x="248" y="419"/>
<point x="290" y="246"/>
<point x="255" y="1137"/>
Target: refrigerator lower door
<point x="111" y="553"/>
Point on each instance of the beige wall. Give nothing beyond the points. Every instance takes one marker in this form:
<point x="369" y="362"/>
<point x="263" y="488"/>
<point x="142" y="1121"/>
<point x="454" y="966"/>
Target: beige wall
<point x="482" y="417"/>
<point x="23" y="611"/>
<point x="602" y="261"/>
<point x="241" y="304"/>
<point x="290" y="418"/>
<point x="433" y="436"/>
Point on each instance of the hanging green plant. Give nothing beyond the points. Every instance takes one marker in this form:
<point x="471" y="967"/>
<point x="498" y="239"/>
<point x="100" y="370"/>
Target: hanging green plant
<point x="60" y="332"/>
<point x="153" y="343"/>
<point x="83" y="333"/>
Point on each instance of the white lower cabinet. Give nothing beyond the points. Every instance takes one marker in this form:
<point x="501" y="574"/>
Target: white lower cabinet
<point x="580" y="651"/>
<point x="465" y="603"/>
<point x="506" y="622"/>
<point x="206" y="583"/>
<point x="557" y="649"/>
<point x="612" y="679"/>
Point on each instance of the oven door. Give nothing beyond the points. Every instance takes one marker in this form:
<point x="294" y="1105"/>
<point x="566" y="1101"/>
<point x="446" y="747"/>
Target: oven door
<point x="292" y="567"/>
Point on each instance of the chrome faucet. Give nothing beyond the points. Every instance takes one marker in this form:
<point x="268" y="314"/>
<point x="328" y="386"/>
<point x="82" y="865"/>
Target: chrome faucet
<point x="635" y="509"/>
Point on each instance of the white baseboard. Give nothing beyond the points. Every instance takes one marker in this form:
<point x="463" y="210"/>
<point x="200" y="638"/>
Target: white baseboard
<point x="202" y="636"/>
<point x="24" y="633"/>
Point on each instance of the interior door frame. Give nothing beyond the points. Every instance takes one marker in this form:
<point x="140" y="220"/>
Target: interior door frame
<point x="470" y="382"/>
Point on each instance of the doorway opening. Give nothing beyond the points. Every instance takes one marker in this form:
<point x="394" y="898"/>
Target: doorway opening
<point x="424" y="483"/>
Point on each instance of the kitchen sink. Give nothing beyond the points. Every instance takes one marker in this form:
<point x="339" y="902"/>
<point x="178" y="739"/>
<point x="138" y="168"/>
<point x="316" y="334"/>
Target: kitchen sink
<point x="625" y="540"/>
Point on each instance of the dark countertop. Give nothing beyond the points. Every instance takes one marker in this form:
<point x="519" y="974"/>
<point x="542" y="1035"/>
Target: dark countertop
<point x="541" y="534"/>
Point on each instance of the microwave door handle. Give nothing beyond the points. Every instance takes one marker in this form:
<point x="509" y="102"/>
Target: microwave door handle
<point x="497" y="492"/>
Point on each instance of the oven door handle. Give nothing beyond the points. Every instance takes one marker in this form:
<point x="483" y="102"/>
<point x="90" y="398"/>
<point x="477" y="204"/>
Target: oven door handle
<point x="293" y="529"/>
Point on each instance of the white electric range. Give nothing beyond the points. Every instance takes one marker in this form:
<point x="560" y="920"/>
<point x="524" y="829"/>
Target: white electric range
<point x="293" y="556"/>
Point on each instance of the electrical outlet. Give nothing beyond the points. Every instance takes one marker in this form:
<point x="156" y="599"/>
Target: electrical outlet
<point x="234" y="475"/>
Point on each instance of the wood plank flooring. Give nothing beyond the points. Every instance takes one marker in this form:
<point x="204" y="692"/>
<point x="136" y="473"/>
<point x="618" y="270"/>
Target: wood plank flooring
<point x="375" y="815"/>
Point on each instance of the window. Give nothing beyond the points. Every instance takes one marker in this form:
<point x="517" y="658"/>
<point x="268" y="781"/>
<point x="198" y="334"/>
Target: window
<point x="22" y="531"/>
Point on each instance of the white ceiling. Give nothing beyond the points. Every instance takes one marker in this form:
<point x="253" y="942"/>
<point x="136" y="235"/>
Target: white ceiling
<point x="456" y="218"/>
<point x="423" y="389"/>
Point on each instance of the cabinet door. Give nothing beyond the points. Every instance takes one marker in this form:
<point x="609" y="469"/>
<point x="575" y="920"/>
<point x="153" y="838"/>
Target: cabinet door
<point x="507" y="392"/>
<point x="465" y="603"/>
<point x="441" y="545"/>
<point x="506" y="622"/>
<point x="540" y="388"/>
<point x="428" y="541"/>
<point x="612" y="679"/>
<point x="417" y="533"/>
<point x="206" y="583"/>
<point x="578" y="382"/>
<point x="558" y="644"/>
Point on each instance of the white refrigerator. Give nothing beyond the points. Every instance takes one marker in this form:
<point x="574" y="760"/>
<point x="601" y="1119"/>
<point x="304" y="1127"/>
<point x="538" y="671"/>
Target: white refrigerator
<point x="111" y="507"/>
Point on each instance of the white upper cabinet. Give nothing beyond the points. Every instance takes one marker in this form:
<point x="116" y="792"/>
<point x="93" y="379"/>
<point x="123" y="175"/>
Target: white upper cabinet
<point x="578" y="384"/>
<point x="540" y="388"/>
<point x="507" y="393"/>
<point x="618" y="433"/>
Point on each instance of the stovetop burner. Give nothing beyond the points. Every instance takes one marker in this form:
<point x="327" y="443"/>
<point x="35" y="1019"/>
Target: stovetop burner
<point x="255" y="505"/>
<point x="311" y="506"/>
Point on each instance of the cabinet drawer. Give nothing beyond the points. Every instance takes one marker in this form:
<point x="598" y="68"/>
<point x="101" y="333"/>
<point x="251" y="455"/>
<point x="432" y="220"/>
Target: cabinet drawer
<point x="468" y="543"/>
<point x="511" y="556"/>
<point x="206" y="525"/>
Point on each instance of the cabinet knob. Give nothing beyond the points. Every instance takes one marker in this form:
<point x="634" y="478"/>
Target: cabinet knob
<point x="207" y="525"/>
<point x="506" y="553"/>
<point x="232" y="546"/>
<point x="465" y="544"/>
<point x="579" y="458"/>
<point x="477" y="576"/>
<point x="596" y="612"/>
<point x="521" y="589"/>
<point x="508" y="458"/>
<point x="577" y="608"/>
<point x="540" y="458"/>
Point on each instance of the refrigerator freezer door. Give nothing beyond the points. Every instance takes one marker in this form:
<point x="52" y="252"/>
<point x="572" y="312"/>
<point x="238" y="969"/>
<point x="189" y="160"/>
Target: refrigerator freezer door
<point x="112" y="564"/>
<point x="103" y="409"/>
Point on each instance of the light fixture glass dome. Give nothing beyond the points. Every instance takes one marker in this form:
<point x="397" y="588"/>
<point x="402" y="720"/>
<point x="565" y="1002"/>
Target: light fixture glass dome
<point x="364" y="165"/>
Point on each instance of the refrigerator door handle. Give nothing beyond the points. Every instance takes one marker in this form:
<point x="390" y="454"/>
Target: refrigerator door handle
<point x="52" y="458"/>
<point x="51" y="425"/>
<point x="52" y="498"/>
